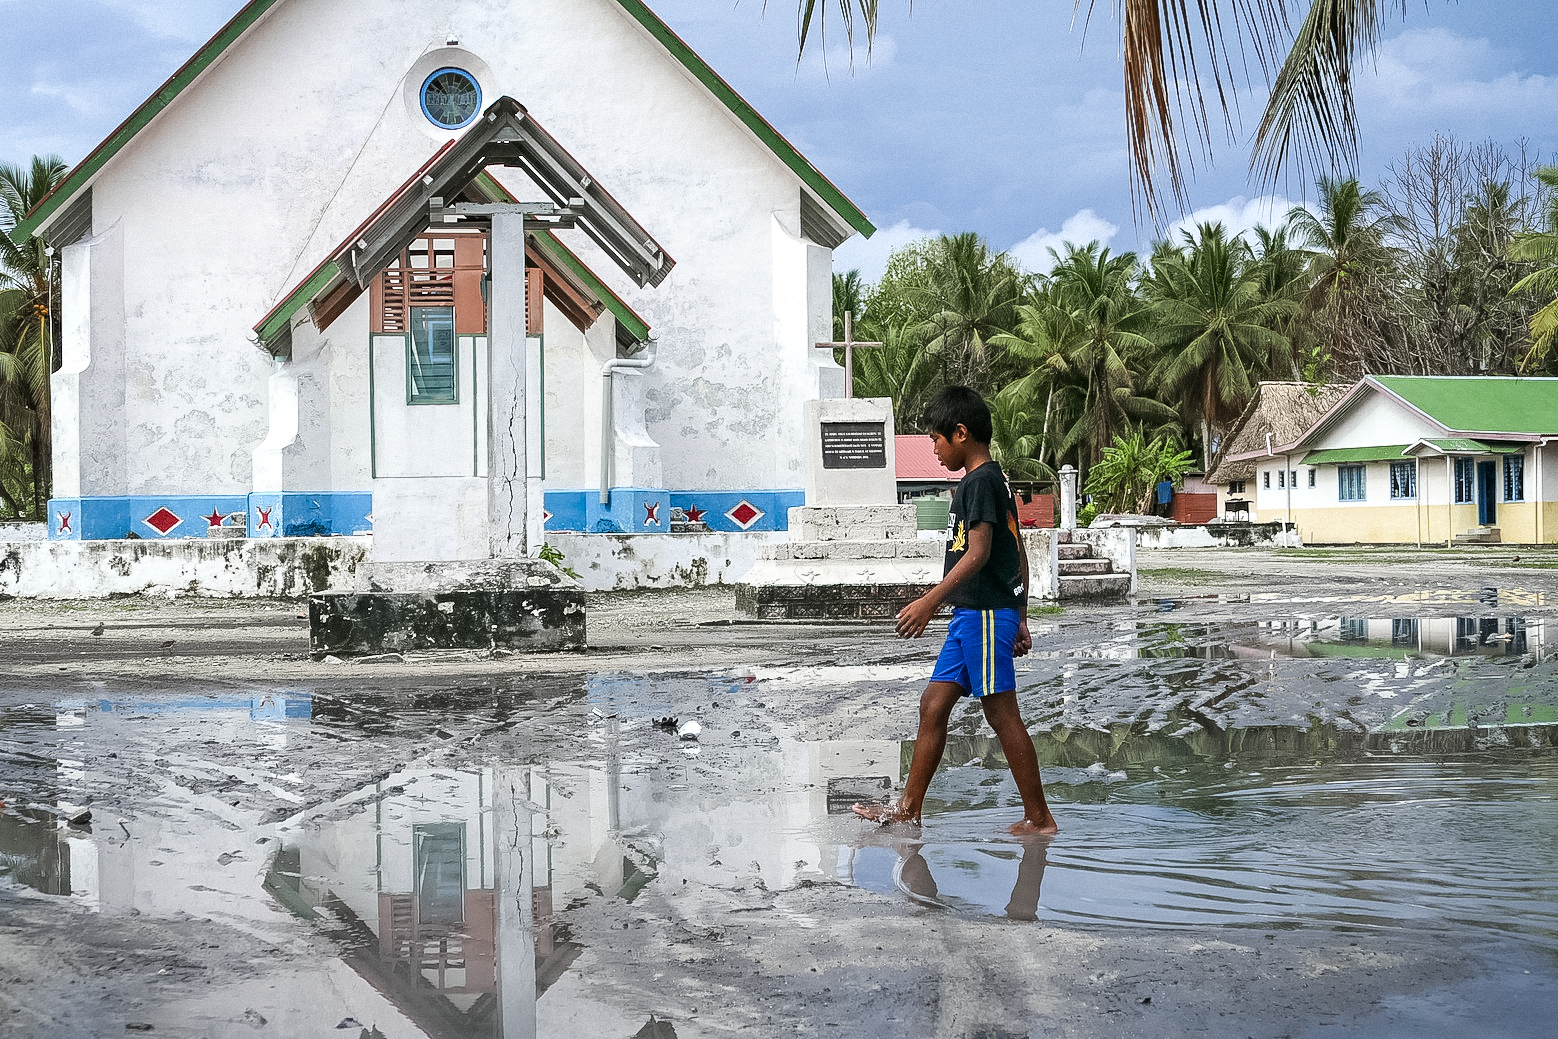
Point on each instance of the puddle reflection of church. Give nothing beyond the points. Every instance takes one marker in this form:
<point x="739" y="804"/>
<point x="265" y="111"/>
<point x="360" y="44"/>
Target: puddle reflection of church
<point x="412" y="884"/>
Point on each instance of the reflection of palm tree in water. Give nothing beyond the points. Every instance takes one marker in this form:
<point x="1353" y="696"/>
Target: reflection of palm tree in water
<point x="913" y="876"/>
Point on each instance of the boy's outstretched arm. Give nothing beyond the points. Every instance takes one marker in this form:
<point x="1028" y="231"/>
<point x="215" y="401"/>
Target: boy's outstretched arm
<point x="913" y="618"/>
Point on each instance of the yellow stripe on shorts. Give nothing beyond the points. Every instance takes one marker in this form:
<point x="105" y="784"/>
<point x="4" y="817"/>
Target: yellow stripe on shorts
<point x="989" y="648"/>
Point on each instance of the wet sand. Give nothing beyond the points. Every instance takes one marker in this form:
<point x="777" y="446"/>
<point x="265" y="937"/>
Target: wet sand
<point x="1265" y="705"/>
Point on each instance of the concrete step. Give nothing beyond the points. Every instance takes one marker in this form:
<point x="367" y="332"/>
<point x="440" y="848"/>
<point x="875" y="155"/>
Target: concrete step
<point x="1074" y="551"/>
<point x="1479" y="536"/>
<point x="1077" y="567"/>
<point x="1062" y="537"/>
<point x="1094" y="586"/>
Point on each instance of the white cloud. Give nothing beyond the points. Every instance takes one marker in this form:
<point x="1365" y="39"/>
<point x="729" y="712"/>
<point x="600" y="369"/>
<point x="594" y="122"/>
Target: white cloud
<point x="1439" y="74"/>
<point x="869" y="255"/>
<point x="1032" y="253"/>
<point x="1237" y="215"/>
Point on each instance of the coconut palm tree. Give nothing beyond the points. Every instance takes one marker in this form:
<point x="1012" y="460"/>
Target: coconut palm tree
<point x="969" y="295"/>
<point x="1216" y="328"/>
<point x="903" y="369"/>
<point x="1172" y="50"/>
<point x="30" y="284"/>
<point x="1015" y="437"/>
<point x="1350" y="262"/>
<point x="1086" y="334"/>
<point x="1541" y="248"/>
<point x="849" y="297"/>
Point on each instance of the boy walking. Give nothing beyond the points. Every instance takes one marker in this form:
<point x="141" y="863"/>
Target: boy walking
<point x="986" y="584"/>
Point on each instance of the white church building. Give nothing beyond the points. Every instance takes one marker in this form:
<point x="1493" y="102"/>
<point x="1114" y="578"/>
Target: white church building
<point x="277" y="283"/>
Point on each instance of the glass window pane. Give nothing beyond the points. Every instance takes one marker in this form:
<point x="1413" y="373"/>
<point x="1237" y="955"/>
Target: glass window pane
<point x="1514" y="478"/>
<point x="430" y="364"/>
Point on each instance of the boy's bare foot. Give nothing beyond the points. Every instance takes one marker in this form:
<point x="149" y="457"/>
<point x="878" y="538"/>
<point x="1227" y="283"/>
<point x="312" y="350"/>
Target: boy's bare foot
<point x="885" y="814"/>
<point x="1028" y="828"/>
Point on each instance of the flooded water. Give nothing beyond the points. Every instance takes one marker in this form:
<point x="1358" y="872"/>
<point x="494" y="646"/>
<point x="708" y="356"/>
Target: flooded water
<point x="445" y="881"/>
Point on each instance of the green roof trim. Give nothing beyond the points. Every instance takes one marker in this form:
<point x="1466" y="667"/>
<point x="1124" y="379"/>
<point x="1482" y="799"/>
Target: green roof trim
<point x="798" y="164"/>
<point x="561" y="255"/>
<point x="304" y="294"/>
<point x="204" y="58"/>
<point x="1343" y="455"/>
<point x="1481" y="403"/>
<point x="1468" y="446"/>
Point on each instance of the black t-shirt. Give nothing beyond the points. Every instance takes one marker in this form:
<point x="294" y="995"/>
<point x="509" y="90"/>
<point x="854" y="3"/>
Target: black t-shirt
<point x="984" y="497"/>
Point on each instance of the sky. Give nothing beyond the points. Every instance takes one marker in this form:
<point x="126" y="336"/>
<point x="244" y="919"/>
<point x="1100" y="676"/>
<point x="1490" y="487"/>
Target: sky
<point x="995" y="116"/>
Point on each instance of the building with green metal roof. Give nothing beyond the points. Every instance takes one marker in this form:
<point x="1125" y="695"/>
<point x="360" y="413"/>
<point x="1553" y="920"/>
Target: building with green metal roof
<point x="1419" y="460"/>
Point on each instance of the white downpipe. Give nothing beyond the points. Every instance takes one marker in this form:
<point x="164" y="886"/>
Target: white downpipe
<point x="608" y="418"/>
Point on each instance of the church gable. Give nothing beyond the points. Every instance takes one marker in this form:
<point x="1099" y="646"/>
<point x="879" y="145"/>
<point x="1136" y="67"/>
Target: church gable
<point x="829" y="216"/>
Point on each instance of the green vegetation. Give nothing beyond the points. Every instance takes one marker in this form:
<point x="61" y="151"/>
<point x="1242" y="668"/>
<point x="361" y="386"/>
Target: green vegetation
<point x="550" y="554"/>
<point x="1131" y="368"/>
<point x="1045" y="610"/>
<point x="29" y="299"/>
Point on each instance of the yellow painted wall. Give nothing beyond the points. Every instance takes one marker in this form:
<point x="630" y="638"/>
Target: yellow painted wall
<point x="1376" y="524"/>
<point x="1398" y="523"/>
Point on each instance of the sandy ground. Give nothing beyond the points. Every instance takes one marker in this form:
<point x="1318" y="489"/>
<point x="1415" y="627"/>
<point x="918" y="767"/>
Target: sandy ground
<point x="709" y="948"/>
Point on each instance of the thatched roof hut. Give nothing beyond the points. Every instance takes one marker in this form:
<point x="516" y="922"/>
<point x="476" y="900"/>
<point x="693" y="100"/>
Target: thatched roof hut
<point x="1286" y="410"/>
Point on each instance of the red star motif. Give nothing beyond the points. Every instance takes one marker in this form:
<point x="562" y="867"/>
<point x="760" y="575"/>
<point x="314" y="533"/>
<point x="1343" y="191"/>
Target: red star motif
<point x="652" y="513"/>
<point x="264" y="517"/>
<point x="215" y="519"/>
<point x="65" y="523"/>
<point x="695" y="514"/>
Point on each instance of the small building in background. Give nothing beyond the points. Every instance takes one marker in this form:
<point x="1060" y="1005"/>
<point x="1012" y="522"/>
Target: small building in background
<point x="1402" y="460"/>
<point x="1278" y="414"/>
<point x="928" y="485"/>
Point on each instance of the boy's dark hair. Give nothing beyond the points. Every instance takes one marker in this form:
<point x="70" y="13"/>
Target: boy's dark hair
<point x="958" y="406"/>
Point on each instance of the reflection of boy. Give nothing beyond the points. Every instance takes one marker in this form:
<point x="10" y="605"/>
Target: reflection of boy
<point x="986" y="584"/>
<point x="914" y="874"/>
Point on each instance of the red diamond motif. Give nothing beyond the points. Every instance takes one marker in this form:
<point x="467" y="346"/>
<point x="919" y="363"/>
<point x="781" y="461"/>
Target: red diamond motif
<point x="163" y="521"/>
<point x="745" y="514"/>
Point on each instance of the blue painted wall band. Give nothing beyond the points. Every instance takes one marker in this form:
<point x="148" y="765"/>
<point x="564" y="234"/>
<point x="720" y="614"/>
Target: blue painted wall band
<point x="631" y="510"/>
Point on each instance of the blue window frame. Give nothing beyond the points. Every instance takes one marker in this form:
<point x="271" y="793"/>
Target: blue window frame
<point x="1514" y="477"/>
<point x="1403" y="479"/>
<point x="1465" y="481"/>
<point x="432" y="360"/>
<point x="451" y="98"/>
<point x="1351" y="482"/>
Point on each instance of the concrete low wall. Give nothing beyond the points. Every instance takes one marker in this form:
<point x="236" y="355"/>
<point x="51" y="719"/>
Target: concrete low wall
<point x="296" y="566"/>
<point x="1218" y="535"/>
<point x="23" y="532"/>
<point x="219" y="567"/>
<point x="622" y="562"/>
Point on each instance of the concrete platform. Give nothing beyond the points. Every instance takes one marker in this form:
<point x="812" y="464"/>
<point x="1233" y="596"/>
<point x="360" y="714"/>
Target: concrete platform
<point x="525" y="606"/>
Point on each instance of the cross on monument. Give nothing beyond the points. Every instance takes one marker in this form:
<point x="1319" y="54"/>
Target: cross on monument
<point x="848" y="346"/>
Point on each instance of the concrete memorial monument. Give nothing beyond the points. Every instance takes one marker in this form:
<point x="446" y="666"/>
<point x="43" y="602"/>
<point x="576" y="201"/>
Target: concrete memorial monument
<point x="853" y="550"/>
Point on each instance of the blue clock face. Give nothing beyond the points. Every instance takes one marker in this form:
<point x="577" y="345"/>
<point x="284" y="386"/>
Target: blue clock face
<point x="451" y="98"/>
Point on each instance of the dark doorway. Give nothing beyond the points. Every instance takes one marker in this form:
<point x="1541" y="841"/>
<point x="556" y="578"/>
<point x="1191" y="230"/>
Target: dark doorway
<point x="1487" y="490"/>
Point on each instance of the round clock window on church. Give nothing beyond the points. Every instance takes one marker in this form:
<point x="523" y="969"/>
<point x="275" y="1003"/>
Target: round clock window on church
<point x="451" y="98"/>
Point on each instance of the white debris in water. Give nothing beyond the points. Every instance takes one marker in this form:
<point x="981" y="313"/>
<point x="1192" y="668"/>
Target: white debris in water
<point x="690" y="730"/>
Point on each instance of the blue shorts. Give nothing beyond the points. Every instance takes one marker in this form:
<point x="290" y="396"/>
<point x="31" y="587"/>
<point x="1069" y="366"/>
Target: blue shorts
<point x="978" y="652"/>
